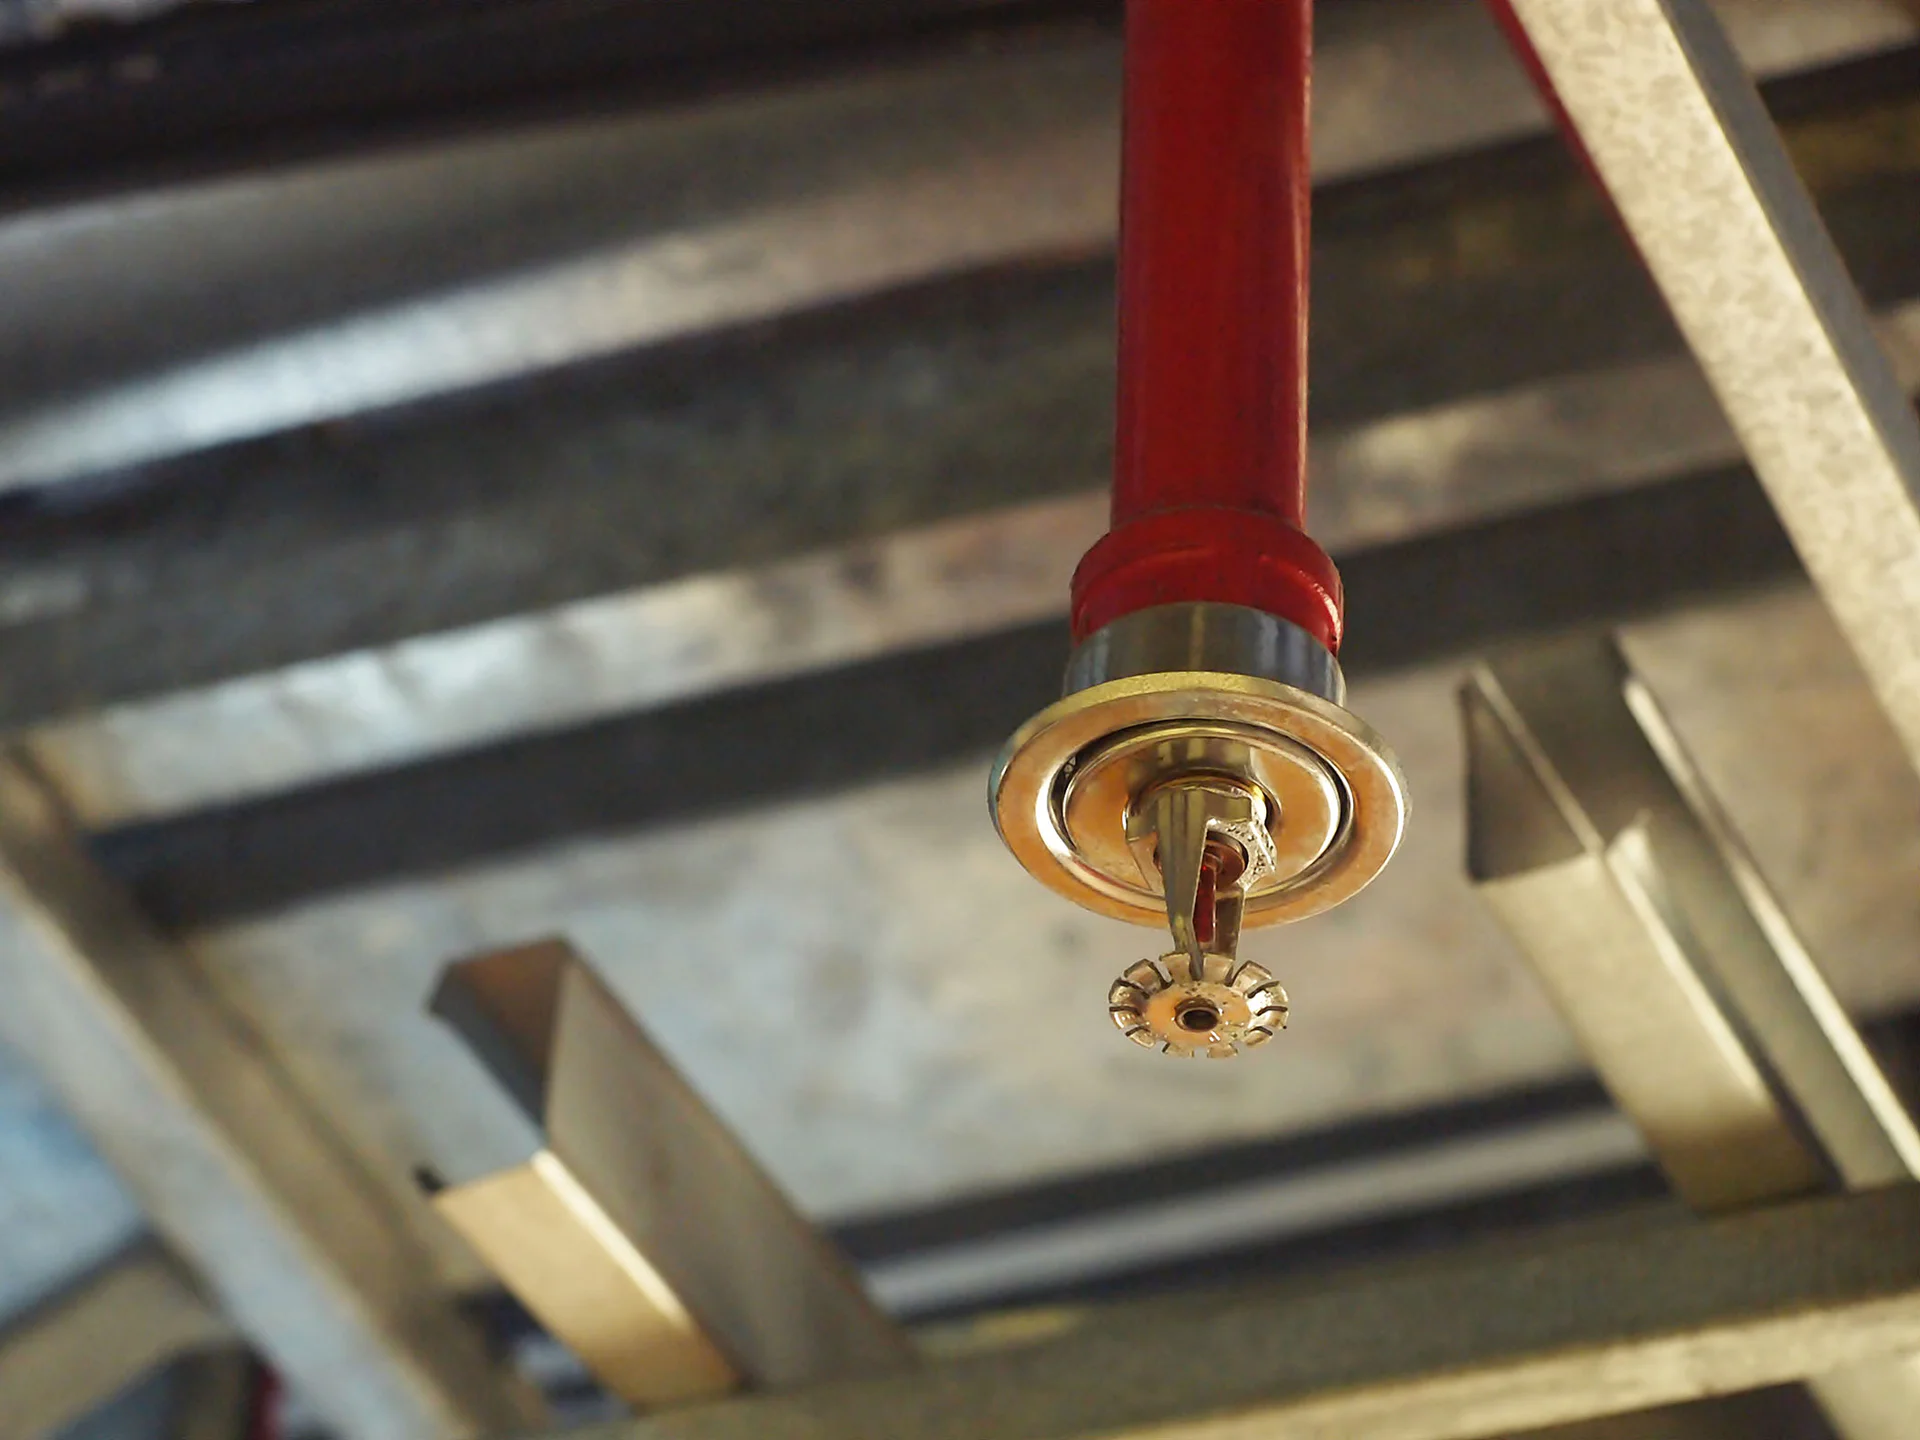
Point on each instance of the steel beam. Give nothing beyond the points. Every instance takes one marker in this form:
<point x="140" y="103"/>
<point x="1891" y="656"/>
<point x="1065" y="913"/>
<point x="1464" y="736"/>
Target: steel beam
<point x="1536" y="1334"/>
<point x="748" y="452"/>
<point x="1678" y="133"/>
<point x="222" y="90"/>
<point x="613" y="233"/>
<point x="438" y="694"/>
<point x="237" y="1173"/>
<point x="642" y="1233"/>
<point x="556" y="1250"/>
<point x="1596" y="841"/>
<point x="63" y="1360"/>
<point x="796" y="251"/>
<point x="905" y="713"/>
<point x="1162" y="1234"/>
<point x="1777" y="1414"/>
<point x="119" y="344"/>
<point x="209" y="89"/>
<point x="379" y="707"/>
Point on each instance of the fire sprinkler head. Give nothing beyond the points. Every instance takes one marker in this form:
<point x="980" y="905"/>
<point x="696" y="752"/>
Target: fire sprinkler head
<point x="1201" y="774"/>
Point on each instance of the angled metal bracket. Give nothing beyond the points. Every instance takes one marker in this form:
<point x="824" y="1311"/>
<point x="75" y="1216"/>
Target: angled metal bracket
<point x="1598" y="844"/>
<point x="248" y="1185"/>
<point x="1676" y="130"/>
<point x="641" y="1232"/>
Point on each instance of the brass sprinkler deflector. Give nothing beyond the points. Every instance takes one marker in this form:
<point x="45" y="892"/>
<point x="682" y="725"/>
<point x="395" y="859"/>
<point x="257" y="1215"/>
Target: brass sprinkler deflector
<point x="1224" y="1007"/>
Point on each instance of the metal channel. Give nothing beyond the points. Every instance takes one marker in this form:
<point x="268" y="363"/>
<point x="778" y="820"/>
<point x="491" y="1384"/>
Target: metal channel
<point x="1679" y="134"/>
<point x="1596" y="841"/>
<point x="398" y="704"/>
<point x="375" y="281"/>
<point x="1539" y="1333"/>
<point x="66" y="1358"/>
<point x="643" y="1233"/>
<point x="1005" y="1268"/>
<point x="599" y="236"/>
<point x="371" y="709"/>
<point x="556" y="1250"/>
<point x="236" y="1171"/>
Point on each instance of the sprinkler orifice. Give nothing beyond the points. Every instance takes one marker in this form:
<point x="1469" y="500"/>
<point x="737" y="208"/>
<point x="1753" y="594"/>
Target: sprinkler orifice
<point x="1202" y="772"/>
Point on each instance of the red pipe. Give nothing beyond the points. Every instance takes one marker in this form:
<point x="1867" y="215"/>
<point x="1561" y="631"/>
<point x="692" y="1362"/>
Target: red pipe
<point x="263" y="1404"/>
<point x="1209" y="495"/>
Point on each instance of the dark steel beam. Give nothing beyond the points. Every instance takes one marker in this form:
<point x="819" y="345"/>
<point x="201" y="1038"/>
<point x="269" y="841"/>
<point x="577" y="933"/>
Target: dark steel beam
<point x="637" y="1226"/>
<point x="169" y="320"/>
<point x="1599" y="560"/>
<point x="1435" y="286"/>
<point x="218" y="87"/>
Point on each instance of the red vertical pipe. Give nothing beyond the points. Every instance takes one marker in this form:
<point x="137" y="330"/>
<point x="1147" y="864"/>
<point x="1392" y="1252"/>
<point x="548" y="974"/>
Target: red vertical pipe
<point x="1210" y="476"/>
<point x="1213" y="261"/>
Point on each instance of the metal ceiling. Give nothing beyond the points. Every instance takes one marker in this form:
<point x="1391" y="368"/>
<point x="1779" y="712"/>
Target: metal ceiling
<point x="629" y="500"/>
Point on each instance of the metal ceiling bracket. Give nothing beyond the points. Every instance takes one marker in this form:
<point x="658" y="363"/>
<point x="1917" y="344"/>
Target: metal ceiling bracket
<point x="641" y="1232"/>
<point x="236" y="1171"/>
<point x="1597" y="843"/>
